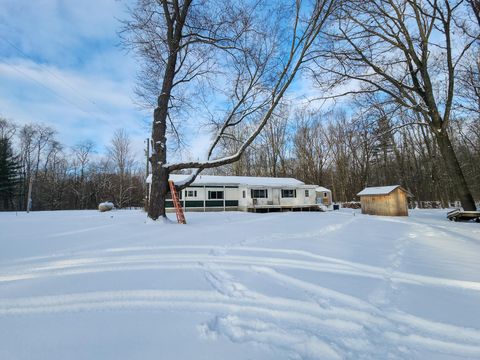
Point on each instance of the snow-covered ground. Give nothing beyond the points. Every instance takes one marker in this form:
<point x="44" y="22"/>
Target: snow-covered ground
<point x="90" y="285"/>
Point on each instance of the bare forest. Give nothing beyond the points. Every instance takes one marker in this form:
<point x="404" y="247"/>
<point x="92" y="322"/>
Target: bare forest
<point x="64" y="178"/>
<point x="346" y="153"/>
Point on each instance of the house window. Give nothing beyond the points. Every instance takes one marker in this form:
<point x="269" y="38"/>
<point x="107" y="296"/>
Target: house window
<point x="307" y="193"/>
<point x="244" y="194"/>
<point x="191" y="193"/>
<point x="289" y="193"/>
<point x="215" y="195"/>
<point x="169" y="195"/>
<point x="259" y="193"/>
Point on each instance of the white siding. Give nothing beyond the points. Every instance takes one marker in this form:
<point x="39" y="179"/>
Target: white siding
<point x="312" y="196"/>
<point x="234" y="193"/>
<point x="243" y="202"/>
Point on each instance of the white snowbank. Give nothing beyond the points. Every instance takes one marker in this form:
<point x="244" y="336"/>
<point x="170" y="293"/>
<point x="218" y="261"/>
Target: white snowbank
<point x="105" y="206"/>
<point x="83" y="284"/>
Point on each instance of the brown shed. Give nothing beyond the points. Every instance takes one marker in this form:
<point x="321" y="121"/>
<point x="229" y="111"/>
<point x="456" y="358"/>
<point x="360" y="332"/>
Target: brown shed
<point x="384" y="200"/>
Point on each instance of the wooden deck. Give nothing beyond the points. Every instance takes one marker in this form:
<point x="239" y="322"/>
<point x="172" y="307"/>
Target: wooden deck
<point x="460" y="215"/>
<point x="281" y="208"/>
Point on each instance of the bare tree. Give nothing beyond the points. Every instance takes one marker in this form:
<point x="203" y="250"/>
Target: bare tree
<point x="475" y="4"/>
<point x="120" y="153"/>
<point x="468" y="100"/>
<point x="272" y="142"/>
<point x="51" y="182"/>
<point x="7" y="129"/>
<point x="82" y="152"/>
<point x="34" y="138"/>
<point x="409" y="51"/>
<point x="259" y="66"/>
<point x="311" y="146"/>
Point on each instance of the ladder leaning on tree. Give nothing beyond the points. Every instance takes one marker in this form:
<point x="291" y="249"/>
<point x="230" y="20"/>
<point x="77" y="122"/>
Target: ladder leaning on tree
<point x="176" y="203"/>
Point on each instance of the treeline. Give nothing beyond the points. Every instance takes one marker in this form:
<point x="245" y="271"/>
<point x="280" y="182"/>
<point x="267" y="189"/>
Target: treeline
<point x="369" y="147"/>
<point x="33" y="161"/>
<point x="342" y="152"/>
<point x="400" y="79"/>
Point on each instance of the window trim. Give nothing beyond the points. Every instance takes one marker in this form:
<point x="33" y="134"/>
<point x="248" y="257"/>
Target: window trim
<point x="252" y="193"/>
<point x="210" y="192"/>
<point x="191" y="193"/>
<point x="293" y="192"/>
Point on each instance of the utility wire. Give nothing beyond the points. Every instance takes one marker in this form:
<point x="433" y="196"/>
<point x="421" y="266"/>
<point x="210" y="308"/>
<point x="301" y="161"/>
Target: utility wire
<point x="71" y="87"/>
<point x="47" y="88"/>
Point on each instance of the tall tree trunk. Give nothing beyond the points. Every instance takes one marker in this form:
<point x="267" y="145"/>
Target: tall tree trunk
<point x="455" y="171"/>
<point x="476" y="9"/>
<point x="158" y="158"/>
<point x="159" y="184"/>
<point x="159" y="143"/>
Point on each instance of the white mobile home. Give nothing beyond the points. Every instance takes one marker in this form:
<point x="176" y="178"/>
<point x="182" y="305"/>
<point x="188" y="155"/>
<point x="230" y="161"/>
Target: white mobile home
<point x="245" y="193"/>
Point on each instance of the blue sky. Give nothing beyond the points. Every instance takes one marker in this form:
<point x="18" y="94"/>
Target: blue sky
<point x="61" y="65"/>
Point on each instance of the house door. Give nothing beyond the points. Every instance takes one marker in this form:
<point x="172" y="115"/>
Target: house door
<point x="276" y="197"/>
<point x="325" y="199"/>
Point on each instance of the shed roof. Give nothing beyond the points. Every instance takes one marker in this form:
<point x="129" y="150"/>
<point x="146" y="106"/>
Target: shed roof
<point x="380" y="190"/>
<point x="322" y="189"/>
<point x="237" y="180"/>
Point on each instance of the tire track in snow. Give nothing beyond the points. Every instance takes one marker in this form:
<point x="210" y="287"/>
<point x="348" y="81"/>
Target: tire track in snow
<point x="78" y="266"/>
<point x="347" y="312"/>
<point x="299" y="340"/>
<point x="79" y="231"/>
<point x="345" y="324"/>
<point x="216" y="249"/>
<point x="276" y="316"/>
<point x="393" y="326"/>
<point x="423" y="225"/>
<point x="293" y="338"/>
<point x="254" y="330"/>
<point x="375" y="320"/>
<point x="290" y="313"/>
<point x="297" y="235"/>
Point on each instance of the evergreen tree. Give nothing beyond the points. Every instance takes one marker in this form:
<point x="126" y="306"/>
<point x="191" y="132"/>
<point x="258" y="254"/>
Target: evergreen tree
<point x="9" y="169"/>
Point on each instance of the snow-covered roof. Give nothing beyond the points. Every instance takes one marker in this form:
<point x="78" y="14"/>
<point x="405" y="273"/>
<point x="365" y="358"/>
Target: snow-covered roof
<point x="322" y="189"/>
<point x="237" y="180"/>
<point x="378" y="190"/>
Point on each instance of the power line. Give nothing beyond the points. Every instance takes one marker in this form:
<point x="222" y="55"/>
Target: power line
<point x="47" y="87"/>
<point x="53" y="74"/>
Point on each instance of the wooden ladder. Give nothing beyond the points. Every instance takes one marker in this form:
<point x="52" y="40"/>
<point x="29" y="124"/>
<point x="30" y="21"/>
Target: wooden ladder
<point x="176" y="203"/>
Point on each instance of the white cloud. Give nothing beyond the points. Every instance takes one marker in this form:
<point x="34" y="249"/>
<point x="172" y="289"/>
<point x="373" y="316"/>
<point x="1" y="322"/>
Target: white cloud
<point x="60" y="65"/>
<point x="79" y="106"/>
<point x="304" y="92"/>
